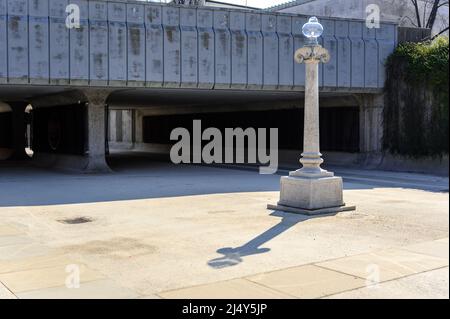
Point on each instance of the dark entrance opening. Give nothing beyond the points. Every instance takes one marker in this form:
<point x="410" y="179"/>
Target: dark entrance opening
<point x="6" y="131"/>
<point x="60" y="130"/>
<point x="339" y="126"/>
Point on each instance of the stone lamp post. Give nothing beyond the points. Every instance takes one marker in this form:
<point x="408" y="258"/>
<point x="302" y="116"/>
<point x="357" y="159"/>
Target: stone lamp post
<point x="311" y="190"/>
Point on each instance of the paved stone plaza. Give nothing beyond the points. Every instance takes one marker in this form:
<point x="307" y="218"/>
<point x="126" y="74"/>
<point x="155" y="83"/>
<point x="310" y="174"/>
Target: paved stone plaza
<point x="154" y="230"/>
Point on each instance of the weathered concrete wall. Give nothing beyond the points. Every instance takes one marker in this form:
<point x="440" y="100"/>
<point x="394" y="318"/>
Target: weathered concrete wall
<point x="397" y="11"/>
<point x="137" y="44"/>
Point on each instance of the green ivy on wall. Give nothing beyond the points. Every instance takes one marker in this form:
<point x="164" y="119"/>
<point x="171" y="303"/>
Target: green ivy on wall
<point x="416" y="114"/>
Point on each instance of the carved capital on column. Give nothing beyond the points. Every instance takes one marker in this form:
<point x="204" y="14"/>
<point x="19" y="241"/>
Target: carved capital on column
<point x="97" y="96"/>
<point x="311" y="54"/>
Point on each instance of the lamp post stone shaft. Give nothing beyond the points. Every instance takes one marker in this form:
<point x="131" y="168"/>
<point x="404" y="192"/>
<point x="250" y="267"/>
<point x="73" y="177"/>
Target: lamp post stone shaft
<point x="312" y="135"/>
<point x="311" y="144"/>
<point x="311" y="159"/>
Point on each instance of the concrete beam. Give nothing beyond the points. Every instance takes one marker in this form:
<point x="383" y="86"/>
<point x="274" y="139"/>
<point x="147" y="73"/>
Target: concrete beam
<point x="57" y="99"/>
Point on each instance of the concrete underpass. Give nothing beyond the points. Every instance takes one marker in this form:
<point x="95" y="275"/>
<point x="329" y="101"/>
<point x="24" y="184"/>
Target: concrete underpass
<point x="58" y="131"/>
<point x="347" y="133"/>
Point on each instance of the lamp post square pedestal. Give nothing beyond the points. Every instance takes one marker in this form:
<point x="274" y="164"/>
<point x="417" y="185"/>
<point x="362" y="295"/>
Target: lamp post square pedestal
<point x="311" y="190"/>
<point x="311" y="196"/>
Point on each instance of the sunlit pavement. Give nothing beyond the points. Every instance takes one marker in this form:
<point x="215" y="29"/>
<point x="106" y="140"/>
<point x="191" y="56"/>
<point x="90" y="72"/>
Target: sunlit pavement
<point x="154" y="230"/>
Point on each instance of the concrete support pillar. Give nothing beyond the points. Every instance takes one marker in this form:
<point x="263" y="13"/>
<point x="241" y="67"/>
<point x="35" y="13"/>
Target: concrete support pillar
<point x="18" y="131"/>
<point x="96" y="130"/>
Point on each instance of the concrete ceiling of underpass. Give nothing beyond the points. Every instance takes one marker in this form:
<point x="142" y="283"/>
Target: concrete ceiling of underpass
<point x="180" y="97"/>
<point x="155" y="97"/>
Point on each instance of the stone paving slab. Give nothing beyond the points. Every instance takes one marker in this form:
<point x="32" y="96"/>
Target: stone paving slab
<point x="37" y="262"/>
<point x="437" y="248"/>
<point x="428" y="285"/>
<point x="18" y="251"/>
<point x="99" y="289"/>
<point x="7" y="230"/>
<point x="391" y="263"/>
<point x="308" y="282"/>
<point x="15" y="240"/>
<point x="232" y="289"/>
<point x="5" y="293"/>
<point x="34" y="279"/>
<point x="150" y="297"/>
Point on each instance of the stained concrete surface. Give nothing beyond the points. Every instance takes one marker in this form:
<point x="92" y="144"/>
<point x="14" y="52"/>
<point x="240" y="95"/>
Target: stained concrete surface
<point x="160" y="230"/>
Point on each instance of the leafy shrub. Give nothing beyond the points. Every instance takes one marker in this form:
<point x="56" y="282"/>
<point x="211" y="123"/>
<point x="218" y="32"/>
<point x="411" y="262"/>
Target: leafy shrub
<point x="416" y="91"/>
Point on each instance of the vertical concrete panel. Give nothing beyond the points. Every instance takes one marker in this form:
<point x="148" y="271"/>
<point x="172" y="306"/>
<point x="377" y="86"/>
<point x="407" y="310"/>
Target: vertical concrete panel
<point x="59" y="42"/>
<point x="112" y="126"/>
<point x="222" y="49"/>
<point x="138" y="119"/>
<point x="154" y="46"/>
<point x="357" y="54"/>
<point x="386" y="38"/>
<point x="270" y="51"/>
<point x="239" y="52"/>
<point x="362" y="129"/>
<point x="3" y="44"/>
<point x="371" y="61"/>
<point x="330" y="43"/>
<point x="117" y="57"/>
<point x="189" y="48"/>
<point x="18" y="41"/>
<point x="299" y="41"/>
<point x="38" y="28"/>
<point x="206" y="71"/>
<point x="136" y="45"/>
<point x="98" y="37"/>
<point x="119" y="126"/>
<point x="172" y="46"/>
<point x="255" y="51"/>
<point x="344" y="54"/>
<point x="286" y="52"/>
<point x="79" y="47"/>
<point x="127" y="126"/>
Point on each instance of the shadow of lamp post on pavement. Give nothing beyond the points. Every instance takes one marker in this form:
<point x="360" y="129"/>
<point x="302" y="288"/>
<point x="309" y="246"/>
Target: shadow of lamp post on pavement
<point x="233" y="256"/>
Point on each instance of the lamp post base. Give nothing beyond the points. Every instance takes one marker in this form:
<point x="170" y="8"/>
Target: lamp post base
<point x="311" y="196"/>
<point x="315" y="212"/>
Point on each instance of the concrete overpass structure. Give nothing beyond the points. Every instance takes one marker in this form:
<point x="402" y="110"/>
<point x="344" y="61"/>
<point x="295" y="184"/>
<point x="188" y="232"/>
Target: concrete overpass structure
<point x="131" y="61"/>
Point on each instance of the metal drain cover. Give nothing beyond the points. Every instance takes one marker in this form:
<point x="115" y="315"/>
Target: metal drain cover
<point x="76" y="221"/>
